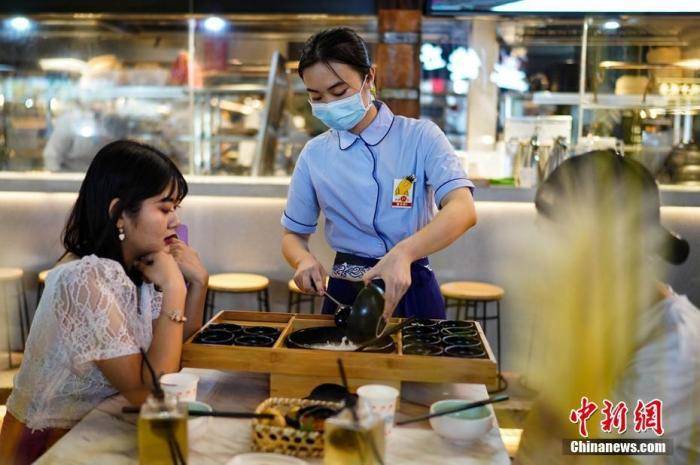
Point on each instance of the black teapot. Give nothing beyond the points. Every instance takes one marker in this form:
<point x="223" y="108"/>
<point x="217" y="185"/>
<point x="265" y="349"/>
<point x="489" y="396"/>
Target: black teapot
<point x="363" y="320"/>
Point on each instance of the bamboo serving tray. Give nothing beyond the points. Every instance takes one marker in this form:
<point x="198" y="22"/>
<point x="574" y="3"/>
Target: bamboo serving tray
<point x="294" y="372"/>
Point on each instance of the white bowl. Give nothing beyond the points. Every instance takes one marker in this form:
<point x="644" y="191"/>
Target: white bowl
<point x="463" y="427"/>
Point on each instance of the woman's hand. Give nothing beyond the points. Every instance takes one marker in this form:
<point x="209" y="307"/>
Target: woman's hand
<point x="190" y="264"/>
<point x="161" y="269"/>
<point x="310" y="276"/>
<point x="395" y="270"/>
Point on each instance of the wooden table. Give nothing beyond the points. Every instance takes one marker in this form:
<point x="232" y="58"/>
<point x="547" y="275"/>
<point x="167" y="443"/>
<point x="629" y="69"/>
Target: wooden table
<point x="107" y="437"/>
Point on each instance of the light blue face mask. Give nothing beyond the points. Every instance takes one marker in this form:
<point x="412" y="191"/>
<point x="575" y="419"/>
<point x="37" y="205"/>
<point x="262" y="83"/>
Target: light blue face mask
<point x="343" y="114"/>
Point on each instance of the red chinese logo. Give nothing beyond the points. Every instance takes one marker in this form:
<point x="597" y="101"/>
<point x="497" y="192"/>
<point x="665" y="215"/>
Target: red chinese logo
<point x="648" y="416"/>
<point x="582" y="415"/>
<point x="614" y="417"/>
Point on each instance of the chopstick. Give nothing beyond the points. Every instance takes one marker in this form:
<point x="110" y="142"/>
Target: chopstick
<point x="219" y="414"/>
<point x="490" y="400"/>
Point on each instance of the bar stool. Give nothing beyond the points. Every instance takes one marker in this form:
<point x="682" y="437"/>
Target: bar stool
<point x="237" y="283"/>
<point x="11" y="283"/>
<point x="467" y="295"/>
<point x="297" y="297"/>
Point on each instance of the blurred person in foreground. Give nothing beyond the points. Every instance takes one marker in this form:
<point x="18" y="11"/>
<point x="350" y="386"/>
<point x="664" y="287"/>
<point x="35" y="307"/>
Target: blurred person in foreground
<point x="608" y="327"/>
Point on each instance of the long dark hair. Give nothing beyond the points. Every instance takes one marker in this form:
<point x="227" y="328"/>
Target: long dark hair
<point x="129" y="171"/>
<point x="339" y="44"/>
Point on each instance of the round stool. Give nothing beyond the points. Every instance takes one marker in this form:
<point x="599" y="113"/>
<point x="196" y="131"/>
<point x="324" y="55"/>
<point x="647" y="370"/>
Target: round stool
<point x="468" y="295"/>
<point x="297" y="297"/>
<point x="11" y="282"/>
<point x="237" y="283"/>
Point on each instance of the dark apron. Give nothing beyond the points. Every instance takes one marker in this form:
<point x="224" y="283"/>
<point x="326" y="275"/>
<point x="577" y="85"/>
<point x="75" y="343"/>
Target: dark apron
<point x="422" y="299"/>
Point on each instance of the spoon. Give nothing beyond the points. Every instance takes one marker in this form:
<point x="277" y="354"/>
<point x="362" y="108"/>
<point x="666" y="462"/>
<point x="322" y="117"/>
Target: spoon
<point x="341" y="313"/>
<point x="334" y="300"/>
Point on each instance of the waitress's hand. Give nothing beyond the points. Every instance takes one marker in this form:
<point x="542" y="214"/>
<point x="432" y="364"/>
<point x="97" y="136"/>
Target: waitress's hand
<point x="395" y="270"/>
<point x="161" y="269"/>
<point x="188" y="261"/>
<point x="310" y="276"/>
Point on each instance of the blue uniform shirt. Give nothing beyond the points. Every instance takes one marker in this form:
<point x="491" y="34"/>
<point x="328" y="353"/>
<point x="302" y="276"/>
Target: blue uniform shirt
<point x="353" y="179"/>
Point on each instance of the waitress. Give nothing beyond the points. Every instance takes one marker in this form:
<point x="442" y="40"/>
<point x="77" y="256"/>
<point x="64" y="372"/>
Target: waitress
<point x="377" y="178"/>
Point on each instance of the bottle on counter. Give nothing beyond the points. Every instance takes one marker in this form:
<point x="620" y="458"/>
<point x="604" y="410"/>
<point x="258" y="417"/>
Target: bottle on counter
<point x="529" y="174"/>
<point x="162" y="431"/>
<point x="559" y="153"/>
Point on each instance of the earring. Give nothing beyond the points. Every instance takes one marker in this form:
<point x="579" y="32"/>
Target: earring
<point x="121" y="235"/>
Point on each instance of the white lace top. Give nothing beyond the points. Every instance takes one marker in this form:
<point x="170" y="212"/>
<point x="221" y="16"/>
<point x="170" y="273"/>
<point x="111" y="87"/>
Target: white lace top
<point x="90" y="310"/>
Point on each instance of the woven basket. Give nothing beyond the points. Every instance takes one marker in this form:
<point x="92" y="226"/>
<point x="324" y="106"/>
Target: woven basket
<point x="288" y="440"/>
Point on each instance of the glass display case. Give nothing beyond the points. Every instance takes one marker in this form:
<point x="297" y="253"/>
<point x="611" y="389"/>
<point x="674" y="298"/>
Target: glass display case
<point x="642" y="87"/>
<point x="539" y="57"/>
<point x="632" y="85"/>
<point x="448" y="64"/>
<point x="71" y="83"/>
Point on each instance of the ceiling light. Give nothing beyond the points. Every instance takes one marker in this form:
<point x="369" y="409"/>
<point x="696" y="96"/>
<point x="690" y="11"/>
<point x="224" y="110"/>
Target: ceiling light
<point x="19" y="24"/>
<point x="611" y="25"/>
<point x="600" y="6"/>
<point x="214" y="24"/>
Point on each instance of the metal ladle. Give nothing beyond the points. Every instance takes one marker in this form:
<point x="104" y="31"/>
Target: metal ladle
<point x="341" y="313"/>
<point x="336" y="301"/>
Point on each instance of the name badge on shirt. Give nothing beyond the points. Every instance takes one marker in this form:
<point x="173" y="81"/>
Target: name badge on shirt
<point x="403" y="192"/>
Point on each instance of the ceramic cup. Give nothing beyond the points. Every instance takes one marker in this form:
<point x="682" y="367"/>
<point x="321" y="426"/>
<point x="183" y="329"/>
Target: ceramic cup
<point x="382" y="401"/>
<point x="181" y="385"/>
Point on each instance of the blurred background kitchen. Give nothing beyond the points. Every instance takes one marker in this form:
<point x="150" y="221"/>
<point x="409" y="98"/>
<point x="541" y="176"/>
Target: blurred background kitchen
<point x="71" y="82"/>
<point x="517" y="86"/>
<point x="509" y="90"/>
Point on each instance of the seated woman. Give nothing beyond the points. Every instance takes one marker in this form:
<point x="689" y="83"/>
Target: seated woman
<point x="126" y="282"/>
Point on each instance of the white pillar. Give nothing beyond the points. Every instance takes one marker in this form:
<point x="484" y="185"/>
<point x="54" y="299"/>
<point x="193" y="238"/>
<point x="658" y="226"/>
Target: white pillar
<point x="482" y="109"/>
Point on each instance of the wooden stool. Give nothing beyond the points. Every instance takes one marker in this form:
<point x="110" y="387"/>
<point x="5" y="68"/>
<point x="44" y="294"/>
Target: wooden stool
<point x="297" y="297"/>
<point x="468" y="295"/>
<point x="11" y="282"/>
<point x="237" y="283"/>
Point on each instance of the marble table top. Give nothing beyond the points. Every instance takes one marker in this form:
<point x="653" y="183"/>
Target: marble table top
<point x="108" y="437"/>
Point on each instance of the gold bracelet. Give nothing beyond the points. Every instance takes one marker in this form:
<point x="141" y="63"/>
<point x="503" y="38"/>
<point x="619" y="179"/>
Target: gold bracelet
<point x="176" y="316"/>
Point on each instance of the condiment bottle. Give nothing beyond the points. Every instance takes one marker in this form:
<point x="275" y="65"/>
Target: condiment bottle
<point x="162" y="431"/>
